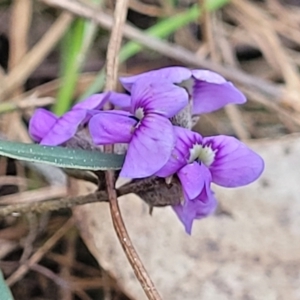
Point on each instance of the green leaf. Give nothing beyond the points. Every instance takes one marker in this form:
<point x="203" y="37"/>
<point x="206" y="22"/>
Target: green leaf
<point x="70" y="66"/>
<point x="5" y="293"/>
<point x="62" y="157"/>
<point x="74" y="51"/>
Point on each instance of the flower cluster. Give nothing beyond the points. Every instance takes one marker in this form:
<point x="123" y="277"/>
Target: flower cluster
<point x="156" y="144"/>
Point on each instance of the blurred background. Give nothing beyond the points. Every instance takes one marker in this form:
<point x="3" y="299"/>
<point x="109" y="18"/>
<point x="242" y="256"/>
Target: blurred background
<point x="52" y="54"/>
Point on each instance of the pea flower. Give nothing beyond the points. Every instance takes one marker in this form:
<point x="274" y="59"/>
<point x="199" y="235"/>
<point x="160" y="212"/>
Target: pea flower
<point x="145" y="127"/>
<point x="208" y="90"/>
<point x="49" y="129"/>
<point x="198" y="161"/>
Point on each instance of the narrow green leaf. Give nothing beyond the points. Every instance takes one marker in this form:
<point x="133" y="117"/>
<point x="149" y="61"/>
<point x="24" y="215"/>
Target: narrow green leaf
<point x="5" y="293"/>
<point x="70" y="65"/>
<point x="62" y="157"/>
<point x="74" y="52"/>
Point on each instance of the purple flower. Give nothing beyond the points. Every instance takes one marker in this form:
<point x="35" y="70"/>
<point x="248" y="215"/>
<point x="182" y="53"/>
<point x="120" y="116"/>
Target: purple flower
<point x="199" y="202"/>
<point x="146" y="127"/>
<point x="198" y="161"/>
<point x="49" y="129"/>
<point x="209" y="90"/>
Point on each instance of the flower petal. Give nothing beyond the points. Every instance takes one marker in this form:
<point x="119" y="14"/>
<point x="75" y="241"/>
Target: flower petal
<point x="64" y="128"/>
<point x="185" y="139"/>
<point x="120" y="100"/>
<point x="161" y="97"/>
<point x="109" y="127"/>
<point x="211" y="92"/>
<point x="208" y="76"/>
<point x="196" y="209"/>
<point x="41" y="123"/>
<point x="150" y="147"/>
<point x="95" y="101"/>
<point x="193" y="177"/>
<point x="235" y="164"/>
<point x="172" y="74"/>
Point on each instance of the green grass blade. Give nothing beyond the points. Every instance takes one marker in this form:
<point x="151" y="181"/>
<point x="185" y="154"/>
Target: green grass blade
<point x="62" y="157"/>
<point x="70" y="64"/>
<point x="5" y="293"/>
<point x="169" y="25"/>
<point x="75" y="48"/>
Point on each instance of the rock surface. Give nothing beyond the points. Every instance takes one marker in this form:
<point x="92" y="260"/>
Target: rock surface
<point x="249" y="250"/>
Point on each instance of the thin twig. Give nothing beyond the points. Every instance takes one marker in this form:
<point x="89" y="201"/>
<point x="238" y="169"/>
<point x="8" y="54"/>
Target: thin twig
<point x="38" y="195"/>
<point x="111" y="83"/>
<point x="155" y="188"/>
<point x="52" y="205"/>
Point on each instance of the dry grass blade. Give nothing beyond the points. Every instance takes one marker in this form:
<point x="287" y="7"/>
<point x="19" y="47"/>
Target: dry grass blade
<point x="37" y="256"/>
<point x="7" y="246"/>
<point x="19" y="31"/>
<point x="20" y="24"/>
<point x="260" y="26"/>
<point x="42" y="95"/>
<point x="285" y="114"/>
<point x="65" y="285"/>
<point x="270" y="92"/>
<point x="13" y="180"/>
<point x="33" y="58"/>
<point x="31" y="102"/>
<point x="65" y="271"/>
<point x="146" y="9"/>
<point x="273" y="91"/>
<point x="221" y="51"/>
<point x="38" y="195"/>
<point x="228" y="56"/>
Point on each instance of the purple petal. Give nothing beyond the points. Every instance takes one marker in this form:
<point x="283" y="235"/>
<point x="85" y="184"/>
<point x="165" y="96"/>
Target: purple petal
<point x="208" y="76"/>
<point x="193" y="177"/>
<point x="211" y="92"/>
<point x="41" y="123"/>
<point x="196" y="208"/>
<point x="150" y="147"/>
<point x="64" y="128"/>
<point x="109" y="127"/>
<point x="120" y="100"/>
<point x="235" y="164"/>
<point x="161" y="97"/>
<point x="95" y="101"/>
<point x="172" y="74"/>
<point x="185" y="139"/>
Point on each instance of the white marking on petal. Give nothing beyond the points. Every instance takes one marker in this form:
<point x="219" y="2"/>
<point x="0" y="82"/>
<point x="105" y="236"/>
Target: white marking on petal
<point x="194" y="152"/>
<point x="204" y="154"/>
<point x="139" y="113"/>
